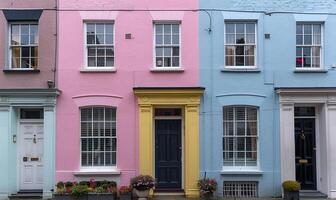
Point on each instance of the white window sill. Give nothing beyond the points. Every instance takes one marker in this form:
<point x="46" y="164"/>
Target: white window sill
<point x="98" y="171"/>
<point x="241" y="171"/>
<point x="240" y="69"/>
<point x="98" y="70"/>
<point x="167" y="69"/>
<point x="319" y="70"/>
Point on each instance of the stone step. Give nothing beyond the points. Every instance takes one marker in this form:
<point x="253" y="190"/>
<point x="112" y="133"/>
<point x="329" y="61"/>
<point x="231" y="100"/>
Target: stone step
<point x="26" y="195"/>
<point x="312" y="194"/>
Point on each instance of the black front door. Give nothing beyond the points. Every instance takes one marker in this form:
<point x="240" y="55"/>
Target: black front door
<point x="168" y="153"/>
<point x="305" y="155"/>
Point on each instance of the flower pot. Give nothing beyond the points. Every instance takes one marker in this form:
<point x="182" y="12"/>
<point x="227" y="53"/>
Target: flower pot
<point x="101" y="196"/>
<point x="141" y="194"/>
<point x="62" y="197"/>
<point x="207" y="196"/>
<point x="291" y="195"/>
<point x="125" y="196"/>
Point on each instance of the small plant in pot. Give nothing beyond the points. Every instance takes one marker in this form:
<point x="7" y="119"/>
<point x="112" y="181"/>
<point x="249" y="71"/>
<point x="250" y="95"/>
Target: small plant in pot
<point x="125" y="193"/>
<point x="80" y="192"/>
<point x="291" y="190"/>
<point x="142" y="185"/>
<point x="207" y="187"/>
<point x="62" y="191"/>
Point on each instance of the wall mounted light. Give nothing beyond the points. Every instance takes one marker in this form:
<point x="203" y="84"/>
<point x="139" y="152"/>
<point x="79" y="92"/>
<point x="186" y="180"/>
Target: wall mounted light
<point x="14" y="139"/>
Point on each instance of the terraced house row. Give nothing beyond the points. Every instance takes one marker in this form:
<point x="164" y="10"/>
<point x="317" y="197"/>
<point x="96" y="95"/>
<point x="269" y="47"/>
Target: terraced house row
<point x="243" y="91"/>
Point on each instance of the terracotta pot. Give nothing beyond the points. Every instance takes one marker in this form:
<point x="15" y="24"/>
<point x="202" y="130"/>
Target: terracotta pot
<point x="141" y="194"/>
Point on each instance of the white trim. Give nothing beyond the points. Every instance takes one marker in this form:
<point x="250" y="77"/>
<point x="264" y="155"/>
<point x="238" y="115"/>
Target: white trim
<point x="9" y="44"/>
<point x="86" y="68"/>
<point x="163" y="68"/>
<point x="235" y="45"/>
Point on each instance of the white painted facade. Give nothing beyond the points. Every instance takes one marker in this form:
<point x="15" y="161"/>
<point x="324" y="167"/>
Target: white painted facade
<point x="324" y="101"/>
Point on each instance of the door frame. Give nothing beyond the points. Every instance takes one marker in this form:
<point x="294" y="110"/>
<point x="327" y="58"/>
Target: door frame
<point x="182" y="138"/>
<point x="316" y="125"/>
<point x="18" y="149"/>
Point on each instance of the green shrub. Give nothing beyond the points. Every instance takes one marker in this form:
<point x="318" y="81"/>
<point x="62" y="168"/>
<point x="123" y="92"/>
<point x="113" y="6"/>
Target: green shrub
<point x="291" y="185"/>
<point x="79" y="190"/>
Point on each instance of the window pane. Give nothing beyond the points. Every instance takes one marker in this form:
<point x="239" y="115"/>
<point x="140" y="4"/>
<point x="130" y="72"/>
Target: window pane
<point x="109" y="39"/>
<point x="229" y="60"/>
<point x="24" y="29"/>
<point x="249" y="50"/>
<point x="176" y="61"/>
<point x="101" y="51"/>
<point x="33" y="51"/>
<point x="109" y="28"/>
<point x="250" y="38"/>
<point x="159" y="61"/>
<point x="159" y="51"/>
<point x="250" y="28"/>
<point x="176" y="51"/>
<point x="298" y="51"/>
<point x="317" y="39"/>
<point x="249" y="61"/>
<point x="316" y="51"/>
<point x="229" y="28"/>
<point x="307" y="39"/>
<point x="90" y="28"/>
<point x="159" y="29"/>
<point x="159" y="39"/>
<point x="299" y="39"/>
<point x="240" y="61"/>
<point x="167" y="29"/>
<point x="92" y="51"/>
<point x="240" y="39"/>
<point x="167" y="51"/>
<point x="176" y="29"/>
<point x="25" y="39"/>
<point x="99" y="28"/>
<point x="92" y="61"/>
<point x="110" y="61"/>
<point x="15" y="29"/>
<point x="307" y="61"/>
<point x="100" y="39"/>
<point x="239" y="50"/>
<point x="167" y="62"/>
<point x="167" y="39"/>
<point x="25" y="63"/>
<point x="16" y="62"/>
<point x="229" y="50"/>
<point x="306" y="51"/>
<point x="230" y="39"/>
<point x="299" y="29"/>
<point x="16" y="40"/>
<point x="176" y="39"/>
<point x="307" y="28"/>
<point x="316" y="62"/>
<point x="240" y="28"/>
<point x="109" y="52"/>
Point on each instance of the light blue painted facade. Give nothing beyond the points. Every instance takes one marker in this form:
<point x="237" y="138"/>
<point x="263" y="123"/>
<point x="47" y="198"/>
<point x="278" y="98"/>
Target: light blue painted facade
<point x="275" y="69"/>
<point x="10" y="103"/>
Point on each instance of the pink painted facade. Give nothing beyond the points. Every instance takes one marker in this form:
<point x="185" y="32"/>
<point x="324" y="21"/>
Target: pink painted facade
<point x="46" y="46"/>
<point x="133" y="64"/>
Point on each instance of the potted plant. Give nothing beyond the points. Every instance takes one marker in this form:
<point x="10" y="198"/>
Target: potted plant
<point x="80" y="192"/>
<point x="291" y="190"/>
<point x="104" y="190"/>
<point x="207" y="188"/>
<point x="141" y="185"/>
<point x="125" y="193"/>
<point x="61" y="191"/>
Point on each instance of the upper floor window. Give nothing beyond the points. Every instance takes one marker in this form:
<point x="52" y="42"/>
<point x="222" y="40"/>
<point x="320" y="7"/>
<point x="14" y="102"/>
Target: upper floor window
<point x="98" y="137"/>
<point x="240" y="134"/>
<point x="23" y="46"/>
<point x="167" y="45"/>
<point x="308" y="45"/>
<point x="240" y="44"/>
<point x="100" y="45"/>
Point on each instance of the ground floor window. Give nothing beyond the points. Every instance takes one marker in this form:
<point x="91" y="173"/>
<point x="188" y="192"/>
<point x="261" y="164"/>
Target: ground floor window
<point x="98" y="136"/>
<point x="240" y="134"/>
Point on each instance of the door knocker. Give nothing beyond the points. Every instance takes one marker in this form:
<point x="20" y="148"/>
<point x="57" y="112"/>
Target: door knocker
<point x="302" y="136"/>
<point x="34" y="140"/>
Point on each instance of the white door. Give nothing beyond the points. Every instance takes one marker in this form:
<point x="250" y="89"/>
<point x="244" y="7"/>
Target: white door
<point x="31" y="156"/>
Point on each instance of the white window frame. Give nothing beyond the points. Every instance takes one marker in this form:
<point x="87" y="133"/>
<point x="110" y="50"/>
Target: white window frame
<point x="94" y="168"/>
<point x="255" y="44"/>
<point x="9" y="47"/>
<point x="86" y="66"/>
<point x="311" y="68"/>
<point x="239" y="168"/>
<point x="155" y="67"/>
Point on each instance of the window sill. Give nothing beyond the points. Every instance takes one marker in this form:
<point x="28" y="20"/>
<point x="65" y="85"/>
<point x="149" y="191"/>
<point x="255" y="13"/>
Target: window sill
<point x="241" y="172"/>
<point x="239" y="70"/>
<point x="20" y="71"/>
<point x="166" y="69"/>
<point x="310" y="71"/>
<point x="97" y="171"/>
<point x="108" y="70"/>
